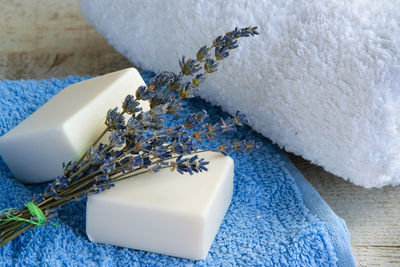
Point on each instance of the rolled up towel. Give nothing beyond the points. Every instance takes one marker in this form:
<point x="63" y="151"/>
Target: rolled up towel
<point x="322" y="79"/>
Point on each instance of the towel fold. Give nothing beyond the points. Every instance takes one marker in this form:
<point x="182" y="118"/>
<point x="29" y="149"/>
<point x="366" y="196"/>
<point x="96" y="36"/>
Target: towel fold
<point x="322" y="79"/>
<point x="276" y="217"/>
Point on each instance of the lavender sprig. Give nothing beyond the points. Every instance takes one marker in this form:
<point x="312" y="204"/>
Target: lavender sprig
<point x="142" y="143"/>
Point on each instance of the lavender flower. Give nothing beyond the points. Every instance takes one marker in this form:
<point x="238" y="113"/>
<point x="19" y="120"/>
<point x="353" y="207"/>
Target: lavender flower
<point x="245" y="32"/>
<point x="189" y="165"/>
<point x="95" y="156"/>
<point x="230" y="43"/>
<point x="210" y="66"/>
<point x="196" y="81"/>
<point x="226" y="125"/>
<point x="221" y="52"/>
<point x="117" y="138"/>
<point x="70" y="167"/>
<point x="131" y="105"/>
<point x="219" y="41"/>
<point x="189" y="67"/>
<point x="174" y="106"/>
<point x="190" y="122"/>
<point x="161" y="80"/>
<point x="134" y="127"/>
<point x="108" y="165"/>
<point x="195" y="120"/>
<point x="175" y="84"/>
<point x="115" y="120"/>
<point x="240" y="118"/>
<point x="186" y="90"/>
<point x="202" y="54"/>
<point x="144" y="142"/>
<point x="143" y="93"/>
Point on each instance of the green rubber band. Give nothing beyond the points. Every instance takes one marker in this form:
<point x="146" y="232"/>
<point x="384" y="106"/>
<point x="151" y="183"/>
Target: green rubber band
<point x="34" y="210"/>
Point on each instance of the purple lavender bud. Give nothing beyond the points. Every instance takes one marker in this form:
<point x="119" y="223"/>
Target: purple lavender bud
<point x="188" y="67"/>
<point x="131" y="105"/>
<point x="201" y="116"/>
<point x="117" y="138"/>
<point x="143" y="93"/>
<point x="146" y="162"/>
<point x="156" y="168"/>
<point x="202" y="54"/>
<point x="225" y="149"/>
<point x="219" y="41"/>
<point x="230" y="43"/>
<point x="240" y="118"/>
<point x="210" y="66"/>
<point x="201" y="165"/>
<point x="221" y="52"/>
<point x="161" y="80"/>
<point x="115" y="120"/>
<point x="190" y="122"/>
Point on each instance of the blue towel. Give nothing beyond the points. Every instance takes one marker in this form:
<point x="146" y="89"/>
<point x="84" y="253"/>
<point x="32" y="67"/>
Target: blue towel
<point x="276" y="217"/>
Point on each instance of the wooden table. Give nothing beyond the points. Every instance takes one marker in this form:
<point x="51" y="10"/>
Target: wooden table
<point x="45" y="38"/>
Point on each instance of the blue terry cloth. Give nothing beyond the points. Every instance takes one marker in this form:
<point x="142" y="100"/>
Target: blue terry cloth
<point x="276" y="217"/>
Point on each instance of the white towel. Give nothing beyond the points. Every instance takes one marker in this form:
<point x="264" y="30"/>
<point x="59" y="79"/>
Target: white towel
<point x="322" y="79"/>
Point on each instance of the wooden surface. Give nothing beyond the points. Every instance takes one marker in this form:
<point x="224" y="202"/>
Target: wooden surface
<point x="45" y="38"/>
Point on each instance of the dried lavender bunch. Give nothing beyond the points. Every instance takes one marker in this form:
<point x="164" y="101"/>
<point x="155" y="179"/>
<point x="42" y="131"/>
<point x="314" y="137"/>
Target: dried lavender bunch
<point x="142" y="143"/>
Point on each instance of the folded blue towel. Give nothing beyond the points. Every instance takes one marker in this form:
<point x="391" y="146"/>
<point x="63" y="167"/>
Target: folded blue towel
<point x="276" y="217"/>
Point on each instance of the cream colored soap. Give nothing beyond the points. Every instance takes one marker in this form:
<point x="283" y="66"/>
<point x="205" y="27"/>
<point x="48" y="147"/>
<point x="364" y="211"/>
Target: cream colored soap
<point x="164" y="212"/>
<point x="64" y="127"/>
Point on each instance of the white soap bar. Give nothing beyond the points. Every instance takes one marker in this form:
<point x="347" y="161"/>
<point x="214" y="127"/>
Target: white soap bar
<point x="64" y="127"/>
<point x="164" y="212"/>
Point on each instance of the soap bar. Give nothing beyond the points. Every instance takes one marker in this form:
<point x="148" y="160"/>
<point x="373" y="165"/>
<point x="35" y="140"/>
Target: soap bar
<point x="65" y="126"/>
<point x="164" y="212"/>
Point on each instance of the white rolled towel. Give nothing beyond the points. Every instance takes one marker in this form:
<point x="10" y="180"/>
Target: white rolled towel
<point x="322" y="79"/>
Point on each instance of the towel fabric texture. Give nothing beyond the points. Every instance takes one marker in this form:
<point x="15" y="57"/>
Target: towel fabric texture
<point x="275" y="218"/>
<point x="322" y="79"/>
